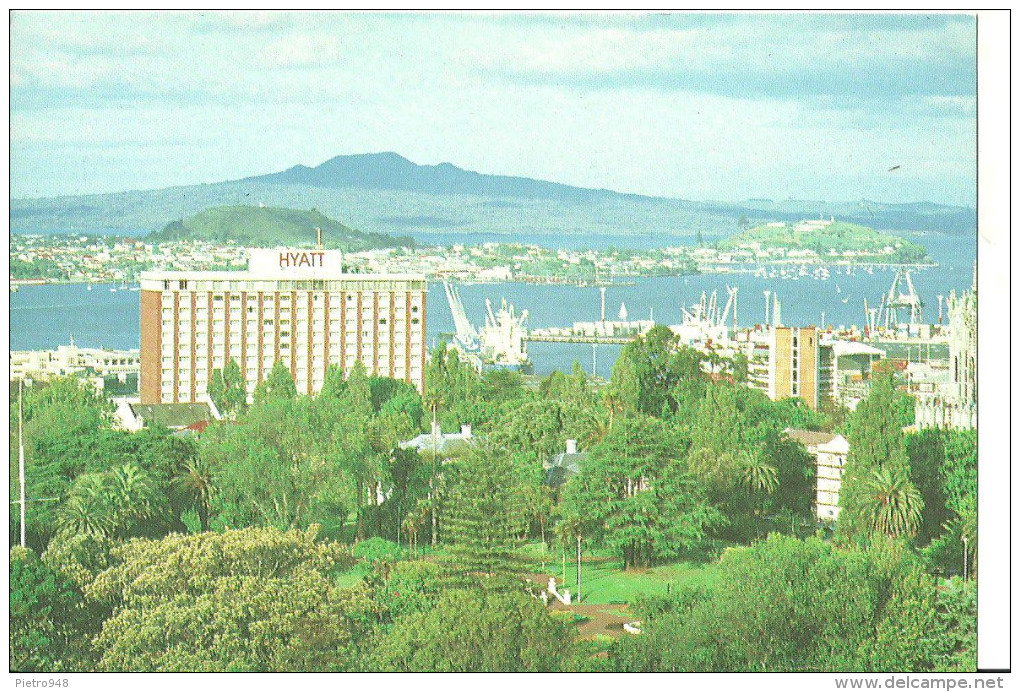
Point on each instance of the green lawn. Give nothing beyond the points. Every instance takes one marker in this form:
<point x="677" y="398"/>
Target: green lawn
<point x="603" y="581"/>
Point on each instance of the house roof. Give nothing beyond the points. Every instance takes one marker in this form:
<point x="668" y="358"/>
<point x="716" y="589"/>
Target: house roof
<point x="562" y="467"/>
<point x="810" y="437"/>
<point x="172" y="415"/>
<point x="824" y="441"/>
<point x="446" y="444"/>
<point x="854" y="348"/>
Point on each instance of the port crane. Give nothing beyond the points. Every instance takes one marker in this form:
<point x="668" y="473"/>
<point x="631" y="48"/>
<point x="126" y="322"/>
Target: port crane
<point x="902" y="296"/>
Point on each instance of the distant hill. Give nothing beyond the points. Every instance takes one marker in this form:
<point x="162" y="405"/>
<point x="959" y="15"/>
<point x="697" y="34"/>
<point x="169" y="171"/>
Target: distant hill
<point x="389" y="171"/>
<point x="387" y="193"/>
<point x="823" y="237"/>
<point x="271" y="227"/>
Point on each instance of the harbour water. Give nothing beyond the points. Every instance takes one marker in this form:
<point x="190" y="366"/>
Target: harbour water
<point x="44" y="317"/>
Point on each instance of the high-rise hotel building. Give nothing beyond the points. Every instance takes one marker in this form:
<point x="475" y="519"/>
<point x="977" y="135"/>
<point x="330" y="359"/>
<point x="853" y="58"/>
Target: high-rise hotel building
<point x="294" y="306"/>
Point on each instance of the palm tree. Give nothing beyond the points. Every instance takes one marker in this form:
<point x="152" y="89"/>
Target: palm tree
<point x="198" y="487"/>
<point x="758" y="475"/>
<point x="893" y="505"/>
<point x="88" y="509"/>
<point x="131" y="492"/>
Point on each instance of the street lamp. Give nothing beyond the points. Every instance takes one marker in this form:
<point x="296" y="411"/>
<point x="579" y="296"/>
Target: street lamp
<point x="578" y="594"/>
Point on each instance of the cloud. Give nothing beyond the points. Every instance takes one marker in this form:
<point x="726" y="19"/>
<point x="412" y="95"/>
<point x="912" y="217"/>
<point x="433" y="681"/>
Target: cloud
<point x="302" y="50"/>
<point x="837" y="57"/>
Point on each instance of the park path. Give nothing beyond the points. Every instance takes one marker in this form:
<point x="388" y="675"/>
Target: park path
<point x="603" y="618"/>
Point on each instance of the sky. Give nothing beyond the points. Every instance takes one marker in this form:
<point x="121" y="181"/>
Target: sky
<point x="703" y="107"/>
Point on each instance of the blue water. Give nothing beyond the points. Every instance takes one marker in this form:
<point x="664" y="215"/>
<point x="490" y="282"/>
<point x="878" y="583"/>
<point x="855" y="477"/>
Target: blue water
<point x="47" y="316"/>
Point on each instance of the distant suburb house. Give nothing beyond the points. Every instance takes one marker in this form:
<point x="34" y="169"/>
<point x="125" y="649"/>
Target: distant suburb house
<point x="830" y="451"/>
<point x="133" y="416"/>
<point x="561" y="467"/>
<point x="442" y="444"/>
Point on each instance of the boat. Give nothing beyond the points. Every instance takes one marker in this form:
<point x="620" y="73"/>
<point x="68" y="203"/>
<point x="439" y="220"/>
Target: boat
<point x="89" y="287"/>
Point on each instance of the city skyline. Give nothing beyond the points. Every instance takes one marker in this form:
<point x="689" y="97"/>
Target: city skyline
<point x="717" y="106"/>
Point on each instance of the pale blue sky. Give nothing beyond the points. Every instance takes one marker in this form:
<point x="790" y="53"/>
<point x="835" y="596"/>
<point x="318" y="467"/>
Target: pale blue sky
<point x="725" y="107"/>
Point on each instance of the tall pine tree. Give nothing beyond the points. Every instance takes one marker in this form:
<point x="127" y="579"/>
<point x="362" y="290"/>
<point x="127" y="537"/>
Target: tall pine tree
<point x="486" y="513"/>
<point x="278" y="385"/>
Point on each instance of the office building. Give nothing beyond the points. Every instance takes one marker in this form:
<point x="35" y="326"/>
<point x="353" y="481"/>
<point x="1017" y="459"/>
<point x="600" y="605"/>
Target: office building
<point x="294" y="306"/>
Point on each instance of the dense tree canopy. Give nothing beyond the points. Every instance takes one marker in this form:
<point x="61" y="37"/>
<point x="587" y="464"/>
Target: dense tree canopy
<point x="791" y="605"/>
<point x="249" y="600"/>
<point x="476" y="631"/>
<point x="300" y="533"/>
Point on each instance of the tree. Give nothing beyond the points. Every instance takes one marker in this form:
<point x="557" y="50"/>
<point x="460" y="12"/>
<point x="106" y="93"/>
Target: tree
<point x="406" y="587"/>
<point x="116" y="503"/>
<point x="892" y="504"/>
<point x="197" y="485"/>
<point x="740" y="365"/>
<point x="717" y="440"/>
<point x="47" y="622"/>
<point x="876" y="443"/>
<point x="227" y="389"/>
<point x="534" y="428"/>
<point x="278" y="385"/>
<point x="485" y="513"/>
<point x="65" y="423"/>
<point x="633" y="497"/>
<point x="757" y="475"/>
<point x="284" y="465"/>
<point x="333" y="383"/>
<point x="476" y="631"/>
<point x="250" y="600"/>
<point x="651" y="368"/>
<point x="790" y="605"/>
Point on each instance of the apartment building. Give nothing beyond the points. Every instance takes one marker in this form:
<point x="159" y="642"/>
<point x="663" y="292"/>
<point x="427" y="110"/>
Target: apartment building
<point x="793" y="364"/>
